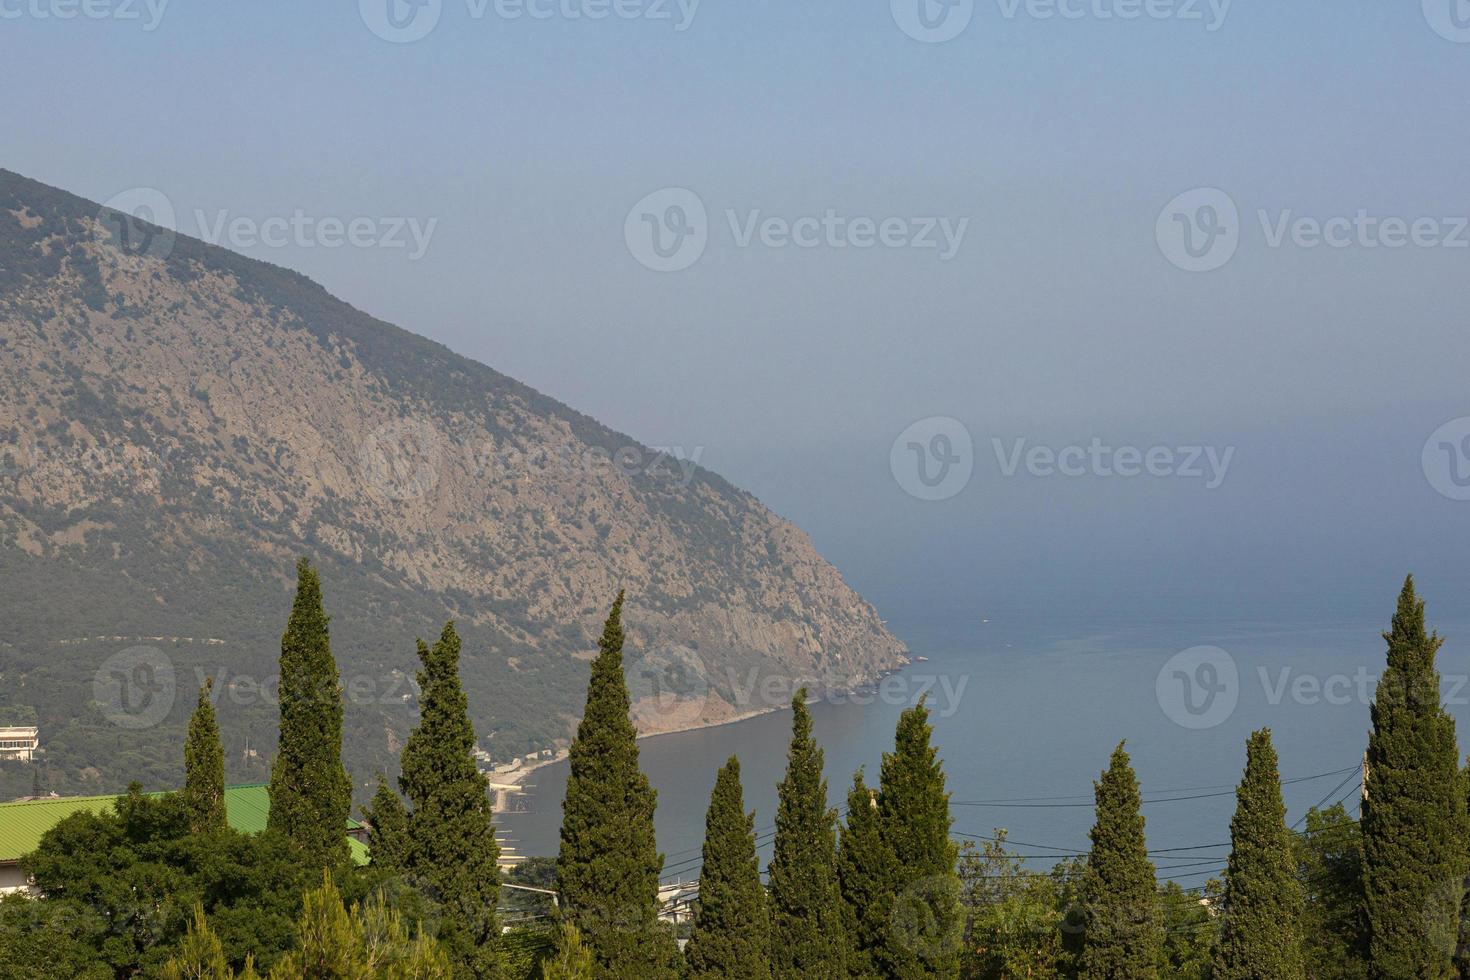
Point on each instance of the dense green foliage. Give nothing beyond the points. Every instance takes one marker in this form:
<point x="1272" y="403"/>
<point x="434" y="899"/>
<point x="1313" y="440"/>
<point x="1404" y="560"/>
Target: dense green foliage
<point x="572" y="959"/>
<point x="311" y="796"/>
<point x="1415" y="835"/>
<point x="367" y="942"/>
<point x="126" y="884"/>
<point x="1329" y="856"/>
<point x="925" y="922"/>
<point x="1121" y="923"/>
<point x="806" y="909"/>
<point x="732" y="927"/>
<point x="204" y="768"/>
<point x="1261" y="914"/>
<point x="387" y="820"/>
<point x="451" y="852"/>
<point x="609" y="862"/>
<point x="1016" y="915"/>
<point x="864" y="874"/>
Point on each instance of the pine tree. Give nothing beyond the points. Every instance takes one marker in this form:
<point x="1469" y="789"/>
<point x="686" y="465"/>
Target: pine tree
<point x="806" y="910"/>
<point x="732" y="929"/>
<point x="387" y="829"/>
<point x="925" y="922"/>
<point x="201" y="955"/>
<point x="1120" y="916"/>
<point x="572" y="959"/>
<point x="364" y="943"/>
<point x="608" y="866"/>
<point x="865" y="876"/>
<point x="311" y="796"/>
<point x="204" y="767"/>
<point x="451" y="837"/>
<point x="1261" y="925"/>
<point x="1414" y="816"/>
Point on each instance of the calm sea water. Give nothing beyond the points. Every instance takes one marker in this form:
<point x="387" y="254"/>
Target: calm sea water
<point x="1025" y="720"/>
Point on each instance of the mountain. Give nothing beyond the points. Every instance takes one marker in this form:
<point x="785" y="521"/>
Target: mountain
<point x="178" y="423"/>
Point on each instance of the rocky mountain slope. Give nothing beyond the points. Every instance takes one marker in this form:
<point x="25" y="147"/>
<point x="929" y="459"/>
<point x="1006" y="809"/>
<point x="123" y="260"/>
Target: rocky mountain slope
<point x="178" y="423"/>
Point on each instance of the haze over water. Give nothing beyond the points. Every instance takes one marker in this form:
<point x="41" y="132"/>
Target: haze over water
<point x="1042" y="706"/>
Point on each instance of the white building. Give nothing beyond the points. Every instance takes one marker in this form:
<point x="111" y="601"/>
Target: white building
<point x="19" y="742"/>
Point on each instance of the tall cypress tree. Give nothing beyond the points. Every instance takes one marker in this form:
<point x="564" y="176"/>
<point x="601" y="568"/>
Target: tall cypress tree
<point x="1261" y="926"/>
<point x="925" y="922"/>
<point x="204" y="767"/>
<point x="608" y="866"/>
<point x="1414" y="817"/>
<point x="451" y="835"/>
<point x="732" y="929"/>
<point x="1121" y="921"/>
<point x="387" y="829"/>
<point x="865" y="873"/>
<point x="311" y="796"/>
<point x="806" y="911"/>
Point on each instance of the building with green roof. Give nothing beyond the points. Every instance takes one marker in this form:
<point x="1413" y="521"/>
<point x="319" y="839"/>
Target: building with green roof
<point x="23" y="823"/>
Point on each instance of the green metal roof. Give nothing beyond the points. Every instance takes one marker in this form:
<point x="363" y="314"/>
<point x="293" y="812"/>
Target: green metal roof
<point x="22" y="824"/>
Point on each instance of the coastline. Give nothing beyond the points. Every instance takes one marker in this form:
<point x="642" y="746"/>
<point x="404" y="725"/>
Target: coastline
<point x="518" y="776"/>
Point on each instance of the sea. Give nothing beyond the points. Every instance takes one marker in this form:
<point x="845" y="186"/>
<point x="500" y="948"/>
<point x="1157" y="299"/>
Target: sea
<point x="1026" y="716"/>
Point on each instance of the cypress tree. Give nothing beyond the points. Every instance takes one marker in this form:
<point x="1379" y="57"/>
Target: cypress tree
<point x="1414" y="817"/>
<point x="806" y="911"/>
<point x="311" y="796"/>
<point x="1121" y="922"/>
<point x="608" y="865"/>
<point x="732" y="929"/>
<point x="925" y="922"/>
<point x="1261" y="926"/>
<point x="865" y="872"/>
<point x="387" y="829"/>
<point x="451" y="837"/>
<point x="204" y="767"/>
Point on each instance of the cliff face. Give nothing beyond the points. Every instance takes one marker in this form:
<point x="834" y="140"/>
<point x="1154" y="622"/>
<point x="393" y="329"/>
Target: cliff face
<point x="177" y="423"/>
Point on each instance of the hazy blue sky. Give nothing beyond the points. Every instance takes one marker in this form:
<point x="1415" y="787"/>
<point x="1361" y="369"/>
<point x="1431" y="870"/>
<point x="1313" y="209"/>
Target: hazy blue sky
<point x="1059" y="318"/>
